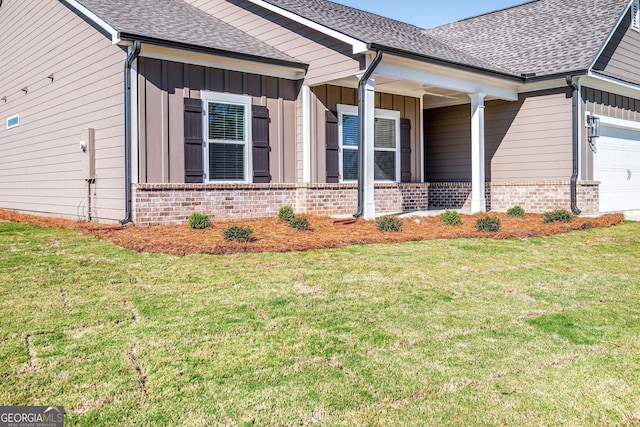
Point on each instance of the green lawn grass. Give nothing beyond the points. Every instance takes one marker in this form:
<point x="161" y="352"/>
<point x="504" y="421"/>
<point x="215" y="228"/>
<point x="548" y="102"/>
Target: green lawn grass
<point x="460" y="332"/>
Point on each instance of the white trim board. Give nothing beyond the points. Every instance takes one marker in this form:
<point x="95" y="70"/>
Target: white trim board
<point x="357" y="45"/>
<point x="617" y="123"/>
<point x="115" y="34"/>
<point x="608" y="84"/>
<point x="610" y="35"/>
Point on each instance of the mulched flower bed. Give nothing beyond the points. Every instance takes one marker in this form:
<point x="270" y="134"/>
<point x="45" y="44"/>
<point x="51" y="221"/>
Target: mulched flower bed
<point x="274" y="235"/>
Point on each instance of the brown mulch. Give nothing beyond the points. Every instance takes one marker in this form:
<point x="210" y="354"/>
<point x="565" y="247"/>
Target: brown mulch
<point x="273" y="235"/>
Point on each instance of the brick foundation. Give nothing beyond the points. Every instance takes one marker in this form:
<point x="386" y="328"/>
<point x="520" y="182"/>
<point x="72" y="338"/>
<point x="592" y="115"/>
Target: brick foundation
<point x="173" y="203"/>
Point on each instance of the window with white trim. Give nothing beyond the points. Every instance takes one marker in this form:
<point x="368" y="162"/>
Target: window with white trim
<point x="386" y="144"/>
<point x="635" y="15"/>
<point x="227" y="130"/>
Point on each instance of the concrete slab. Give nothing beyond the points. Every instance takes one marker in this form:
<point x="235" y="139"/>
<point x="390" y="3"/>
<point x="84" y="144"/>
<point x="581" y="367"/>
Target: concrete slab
<point x="632" y="215"/>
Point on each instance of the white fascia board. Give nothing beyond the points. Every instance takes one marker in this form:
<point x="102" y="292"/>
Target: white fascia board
<point x="451" y="79"/>
<point x="609" y="84"/>
<point x="115" y="34"/>
<point x="219" y="61"/>
<point x="610" y="35"/>
<point x="358" y="45"/>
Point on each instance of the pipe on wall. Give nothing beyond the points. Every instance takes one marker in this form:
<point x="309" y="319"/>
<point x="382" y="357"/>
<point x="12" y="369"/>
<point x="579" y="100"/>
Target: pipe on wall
<point x="361" y="123"/>
<point x="133" y="54"/>
<point x="575" y="144"/>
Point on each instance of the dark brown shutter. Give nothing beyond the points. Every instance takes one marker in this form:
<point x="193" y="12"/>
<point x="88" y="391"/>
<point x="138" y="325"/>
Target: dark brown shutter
<point x="193" y="157"/>
<point x="333" y="148"/>
<point x="260" y="144"/>
<point x="405" y="150"/>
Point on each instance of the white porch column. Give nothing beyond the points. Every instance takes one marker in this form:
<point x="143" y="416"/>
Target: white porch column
<point x="369" y="163"/>
<point x="306" y="134"/>
<point x="478" y="202"/>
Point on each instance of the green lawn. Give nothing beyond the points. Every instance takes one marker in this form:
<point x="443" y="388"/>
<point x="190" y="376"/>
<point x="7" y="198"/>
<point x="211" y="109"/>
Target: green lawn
<point x="461" y="332"/>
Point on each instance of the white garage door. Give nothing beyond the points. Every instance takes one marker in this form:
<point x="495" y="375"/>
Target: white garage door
<point x="618" y="168"/>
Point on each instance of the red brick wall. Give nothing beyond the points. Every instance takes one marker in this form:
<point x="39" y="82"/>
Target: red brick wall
<point x="173" y="203"/>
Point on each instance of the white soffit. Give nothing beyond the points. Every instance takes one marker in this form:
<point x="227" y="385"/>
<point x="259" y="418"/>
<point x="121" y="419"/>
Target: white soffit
<point x="358" y="45"/>
<point x="442" y="76"/>
<point x="115" y="34"/>
<point x="219" y="61"/>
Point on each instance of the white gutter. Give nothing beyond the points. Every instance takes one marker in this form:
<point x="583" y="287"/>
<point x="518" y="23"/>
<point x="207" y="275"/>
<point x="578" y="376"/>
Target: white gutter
<point x="115" y="34"/>
<point x="358" y="45"/>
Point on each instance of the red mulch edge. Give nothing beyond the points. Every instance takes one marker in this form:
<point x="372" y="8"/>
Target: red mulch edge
<point x="274" y="235"/>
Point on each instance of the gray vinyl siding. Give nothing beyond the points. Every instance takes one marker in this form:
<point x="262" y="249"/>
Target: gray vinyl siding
<point x="162" y="87"/>
<point x="526" y="140"/>
<point x="604" y="104"/>
<point x="327" y="97"/>
<point x="42" y="169"/>
<point x="621" y="57"/>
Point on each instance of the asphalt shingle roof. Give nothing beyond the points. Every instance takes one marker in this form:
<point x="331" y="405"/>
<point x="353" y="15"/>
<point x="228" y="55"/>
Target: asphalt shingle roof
<point x="178" y="22"/>
<point x="541" y="36"/>
<point x="379" y="30"/>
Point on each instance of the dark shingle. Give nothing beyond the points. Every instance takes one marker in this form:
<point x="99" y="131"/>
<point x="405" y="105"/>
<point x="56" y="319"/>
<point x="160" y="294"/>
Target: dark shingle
<point x="371" y="28"/>
<point x="542" y="36"/>
<point x="179" y="22"/>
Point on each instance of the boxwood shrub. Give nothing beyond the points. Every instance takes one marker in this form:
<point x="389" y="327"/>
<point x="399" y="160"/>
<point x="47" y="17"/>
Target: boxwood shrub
<point x="199" y="221"/>
<point x="559" y="215"/>
<point x="238" y="233"/>
<point x="488" y="223"/>
<point x="388" y="223"/>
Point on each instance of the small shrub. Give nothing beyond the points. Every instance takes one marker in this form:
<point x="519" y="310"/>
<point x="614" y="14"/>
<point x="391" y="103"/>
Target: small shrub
<point x="286" y="213"/>
<point x="559" y="215"/>
<point x="238" y="233"/>
<point x="199" y="221"/>
<point x="388" y="223"/>
<point x="488" y="223"/>
<point x="450" y="217"/>
<point x="515" y="211"/>
<point x="299" y="223"/>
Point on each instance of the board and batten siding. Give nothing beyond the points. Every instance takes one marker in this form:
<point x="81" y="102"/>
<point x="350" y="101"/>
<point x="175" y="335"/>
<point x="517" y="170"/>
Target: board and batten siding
<point x="607" y="104"/>
<point x="525" y="140"/>
<point x="327" y="97"/>
<point x="162" y="87"/>
<point x="621" y="57"/>
<point x="328" y="59"/>
<point x="42" y="169"/>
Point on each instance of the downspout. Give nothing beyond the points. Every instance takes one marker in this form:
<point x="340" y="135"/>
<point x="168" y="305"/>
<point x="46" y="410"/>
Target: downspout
<point x="361" y="123"/>
<point x="575" y="143"/>
<point x="133" y="54"/>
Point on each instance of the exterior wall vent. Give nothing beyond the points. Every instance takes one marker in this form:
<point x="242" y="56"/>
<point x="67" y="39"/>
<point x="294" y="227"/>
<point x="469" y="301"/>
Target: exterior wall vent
<point x="635" y="15"/>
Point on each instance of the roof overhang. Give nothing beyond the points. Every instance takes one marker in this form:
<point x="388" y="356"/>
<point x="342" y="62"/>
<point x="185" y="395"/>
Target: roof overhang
<point x="358" y="45"/>
<point x="223" y="60"/>
<point x="610" y="84"/>
<point x="445" y="76"/>
<point x="92" y="17"/>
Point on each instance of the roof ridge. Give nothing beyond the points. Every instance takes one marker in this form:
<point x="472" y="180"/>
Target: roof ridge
<point x="487" y="13"/>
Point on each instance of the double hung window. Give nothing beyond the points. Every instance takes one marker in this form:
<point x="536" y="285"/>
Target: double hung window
<point x="227" y="137"/>
<point x="386" y="144"/>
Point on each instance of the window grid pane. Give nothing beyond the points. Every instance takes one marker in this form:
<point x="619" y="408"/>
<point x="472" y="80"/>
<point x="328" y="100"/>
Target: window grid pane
<point x="349" y="164"/>
<point x="226" y="122"/>
<point x="385" y="165"/>
<point x="349" y="130"/>
<point x="384" y="133"/>
<point x="226" y="162"/>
